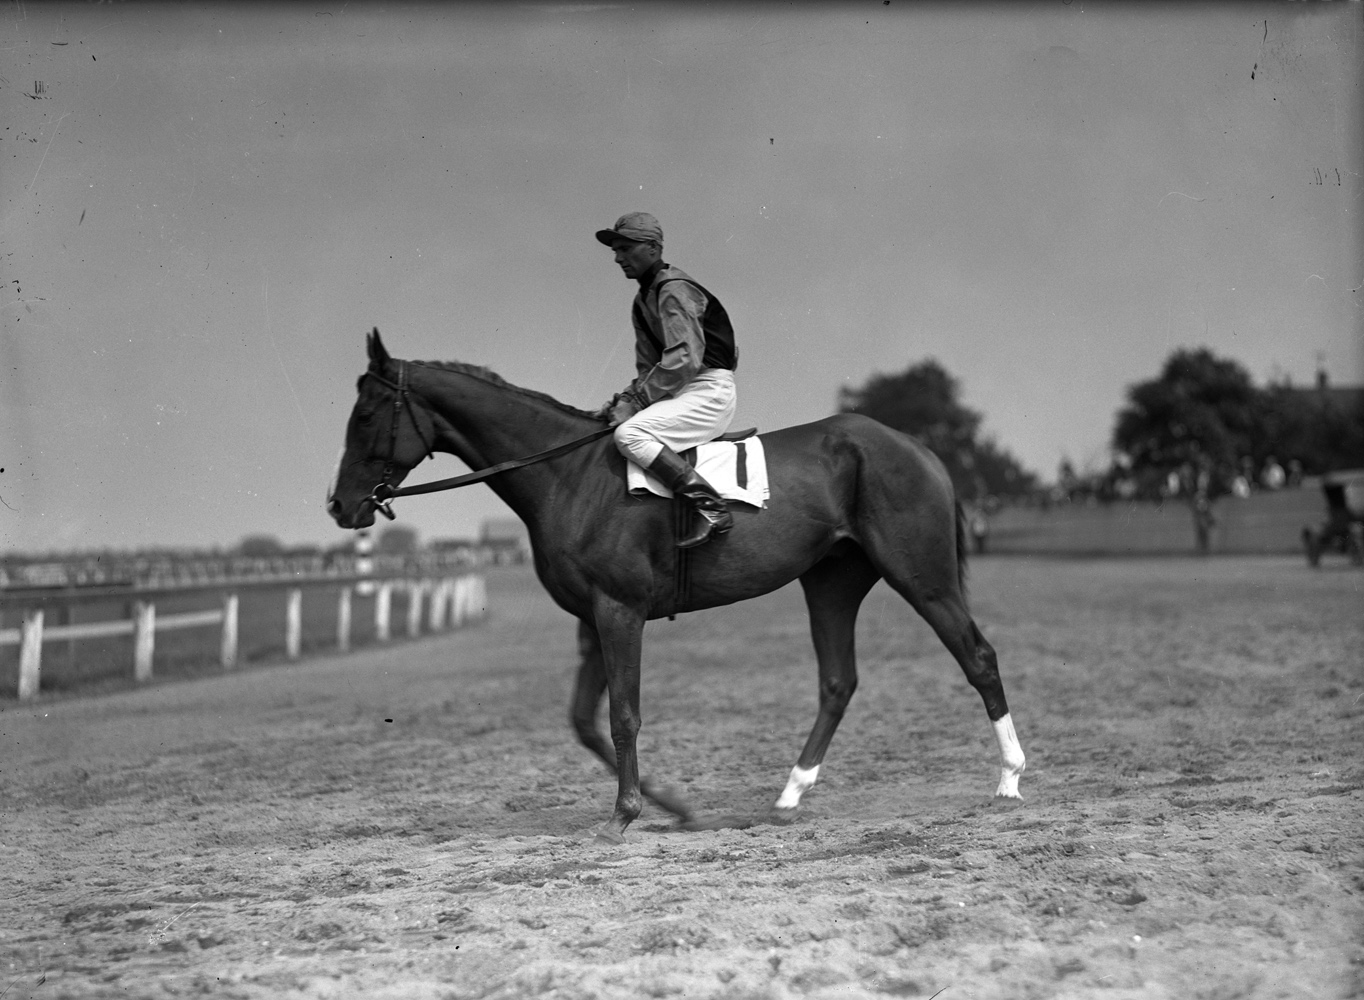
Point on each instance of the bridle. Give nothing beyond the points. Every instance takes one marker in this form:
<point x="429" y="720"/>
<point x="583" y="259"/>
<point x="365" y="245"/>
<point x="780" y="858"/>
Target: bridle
<point x="383" y="495"/>
<point x="401" y="401"/>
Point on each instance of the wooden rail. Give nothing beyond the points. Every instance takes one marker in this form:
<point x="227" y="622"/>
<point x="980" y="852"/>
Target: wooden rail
<point x="455" y="600"/>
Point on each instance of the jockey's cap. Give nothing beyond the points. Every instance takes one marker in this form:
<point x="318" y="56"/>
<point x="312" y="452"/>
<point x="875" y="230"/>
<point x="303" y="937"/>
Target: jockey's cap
<point x="638" y="226"/>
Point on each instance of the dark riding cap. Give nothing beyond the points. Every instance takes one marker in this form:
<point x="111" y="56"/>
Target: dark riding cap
<point x="638" y="226"/>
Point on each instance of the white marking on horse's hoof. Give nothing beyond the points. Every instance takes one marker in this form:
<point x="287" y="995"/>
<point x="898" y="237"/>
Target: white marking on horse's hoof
<point x="1008" y="787"/>
<point x="1011" y="758"/>
<point x="800" y="782"/>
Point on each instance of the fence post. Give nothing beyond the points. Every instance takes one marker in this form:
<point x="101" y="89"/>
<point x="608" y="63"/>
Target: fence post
<point x="144" y="639"/>
<point x="293" y="631"/>
<point x="416" y="590"/>
<point x="440" y="596"/>
<point x="229" y="650"/>
<point x="457" y="602"/>
<point x="452" y="608"/>
<point x="480" y="598"/>
<point x="343" y="620"/>
<point x="382" y="604"/>
<point x="30" y="653"/>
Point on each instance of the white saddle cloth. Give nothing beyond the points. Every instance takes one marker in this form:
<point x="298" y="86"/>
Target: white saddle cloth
<point x="737" y="469"/>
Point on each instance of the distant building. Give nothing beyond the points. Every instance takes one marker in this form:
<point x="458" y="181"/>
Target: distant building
<point x="452" y="544"/>
<point x="1342" y="398"/>
<point x="506" y="538"/>
<point x="464" y="551"/>
<point x="1325" y="429"/>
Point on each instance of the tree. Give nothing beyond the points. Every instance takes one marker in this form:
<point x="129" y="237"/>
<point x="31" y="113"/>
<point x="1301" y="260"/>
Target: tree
<point x="1201" y="413"/>
<point x="922" y="401"/>
<point x="1001" y="473"/>
<point x="1196" y="420"/>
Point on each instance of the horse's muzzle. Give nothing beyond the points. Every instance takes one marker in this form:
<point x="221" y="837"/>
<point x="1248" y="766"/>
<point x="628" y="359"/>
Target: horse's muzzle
<point x="358" y="519"/>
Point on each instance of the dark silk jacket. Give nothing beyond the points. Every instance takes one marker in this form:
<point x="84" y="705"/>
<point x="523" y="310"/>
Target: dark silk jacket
<point x="680" y="329"/>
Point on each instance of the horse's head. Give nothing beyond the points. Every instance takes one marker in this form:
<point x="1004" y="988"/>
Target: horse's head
<point x="387" y="436"/>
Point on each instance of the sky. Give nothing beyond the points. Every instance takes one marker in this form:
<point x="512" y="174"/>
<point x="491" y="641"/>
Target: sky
<point x="204" y="207"/>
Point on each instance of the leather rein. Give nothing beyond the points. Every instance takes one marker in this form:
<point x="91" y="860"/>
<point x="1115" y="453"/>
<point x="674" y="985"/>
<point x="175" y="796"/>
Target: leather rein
<point x="384" y="494"/>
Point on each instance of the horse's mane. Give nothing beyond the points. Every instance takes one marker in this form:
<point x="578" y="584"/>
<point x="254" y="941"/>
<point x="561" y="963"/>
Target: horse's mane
<point x="492" y="378"/>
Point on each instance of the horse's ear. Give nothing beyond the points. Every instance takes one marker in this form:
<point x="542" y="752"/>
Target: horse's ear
<point x="378" y="354"/>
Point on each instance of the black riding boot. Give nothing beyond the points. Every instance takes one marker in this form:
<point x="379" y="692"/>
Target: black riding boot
<point x="713" y="516"/>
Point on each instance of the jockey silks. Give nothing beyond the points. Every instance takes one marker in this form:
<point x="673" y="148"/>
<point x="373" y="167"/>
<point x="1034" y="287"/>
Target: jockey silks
<point x="681" y="329"/>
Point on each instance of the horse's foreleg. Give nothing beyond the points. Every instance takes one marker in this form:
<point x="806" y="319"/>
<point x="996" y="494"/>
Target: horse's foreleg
<point x="620" y="630"/>
<point x="834" y="589"/>
<point x="587" y="695"/>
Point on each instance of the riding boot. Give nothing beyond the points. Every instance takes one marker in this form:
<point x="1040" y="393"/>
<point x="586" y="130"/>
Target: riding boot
<point x="713" y="516"/>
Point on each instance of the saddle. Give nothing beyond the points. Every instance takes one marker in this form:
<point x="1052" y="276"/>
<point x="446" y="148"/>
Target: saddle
<point x="742" y="435"/>
<point x="734" y="463"/>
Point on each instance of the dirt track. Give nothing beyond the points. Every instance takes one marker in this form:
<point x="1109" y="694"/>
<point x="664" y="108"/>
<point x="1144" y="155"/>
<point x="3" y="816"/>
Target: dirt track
<point x="1191" y="828"/>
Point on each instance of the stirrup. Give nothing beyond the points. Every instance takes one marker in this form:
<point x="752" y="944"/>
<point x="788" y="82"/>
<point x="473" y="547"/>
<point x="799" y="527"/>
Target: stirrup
<point x="710" y="523"/>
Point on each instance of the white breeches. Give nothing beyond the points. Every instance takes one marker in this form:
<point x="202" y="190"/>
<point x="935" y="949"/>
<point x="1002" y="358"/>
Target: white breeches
<point x="701" y="412"/>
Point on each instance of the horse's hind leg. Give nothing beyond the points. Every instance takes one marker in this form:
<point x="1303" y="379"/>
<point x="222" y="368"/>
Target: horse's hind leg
<point x="834" y="588"/>
<point x="946" y="612"/>
<point x="924" y="561"/>
<point x="587" y="696"/>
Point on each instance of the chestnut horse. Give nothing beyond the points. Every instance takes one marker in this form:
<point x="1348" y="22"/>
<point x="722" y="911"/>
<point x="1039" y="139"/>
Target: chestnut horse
<point x="853" y="502"/>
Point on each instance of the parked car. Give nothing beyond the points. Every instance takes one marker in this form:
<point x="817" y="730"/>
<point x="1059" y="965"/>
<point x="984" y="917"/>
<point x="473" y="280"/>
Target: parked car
<point x="1343" y="530"/>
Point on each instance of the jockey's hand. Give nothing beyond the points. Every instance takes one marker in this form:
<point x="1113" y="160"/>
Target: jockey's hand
<point x="622" y="409"/>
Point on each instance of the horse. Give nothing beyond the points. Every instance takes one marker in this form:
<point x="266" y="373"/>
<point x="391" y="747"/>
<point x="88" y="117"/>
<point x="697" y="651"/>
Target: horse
<point x="852" y="502"/>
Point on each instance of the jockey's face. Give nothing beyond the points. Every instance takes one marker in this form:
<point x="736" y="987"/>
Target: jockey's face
<point x="635" y="258"/>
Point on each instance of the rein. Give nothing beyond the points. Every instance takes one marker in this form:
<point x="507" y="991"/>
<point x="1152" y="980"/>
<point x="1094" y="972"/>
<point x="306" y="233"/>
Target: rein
<point x="384" y="494"/>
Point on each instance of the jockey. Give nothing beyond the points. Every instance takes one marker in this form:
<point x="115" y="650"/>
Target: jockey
<point x="685" y="358"/>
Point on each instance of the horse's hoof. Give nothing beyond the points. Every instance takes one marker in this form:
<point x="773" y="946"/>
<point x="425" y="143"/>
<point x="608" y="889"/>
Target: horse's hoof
<point x="783" y="817"/>
<point x="609" y="837"/>
<point x="1008" y="786"/>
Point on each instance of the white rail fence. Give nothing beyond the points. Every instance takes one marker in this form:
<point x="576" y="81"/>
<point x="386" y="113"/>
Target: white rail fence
<point x="444" y="603"/>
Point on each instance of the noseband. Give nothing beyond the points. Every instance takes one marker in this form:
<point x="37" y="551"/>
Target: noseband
<point x="401" y="402"/>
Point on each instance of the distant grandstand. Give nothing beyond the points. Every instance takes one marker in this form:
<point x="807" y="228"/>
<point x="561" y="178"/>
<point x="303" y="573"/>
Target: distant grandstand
<point x="506" y="538"/>
<point x="170" y="568"/>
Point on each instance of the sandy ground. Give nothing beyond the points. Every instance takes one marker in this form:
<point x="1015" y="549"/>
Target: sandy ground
<point x="415" y="821"/>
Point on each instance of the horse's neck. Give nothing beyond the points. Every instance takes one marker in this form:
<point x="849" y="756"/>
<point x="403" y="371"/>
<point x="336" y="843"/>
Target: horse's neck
<point x="491" y="423"/>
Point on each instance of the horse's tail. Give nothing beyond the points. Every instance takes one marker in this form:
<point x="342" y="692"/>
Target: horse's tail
<point x="961" y="550"/>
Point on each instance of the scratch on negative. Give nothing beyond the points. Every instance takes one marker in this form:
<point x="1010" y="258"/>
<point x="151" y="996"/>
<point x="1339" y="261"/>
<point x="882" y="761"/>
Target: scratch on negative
<point x="1182" y="195"/>
<point x="166" y="926"/>
<point x="45" y="152"/>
